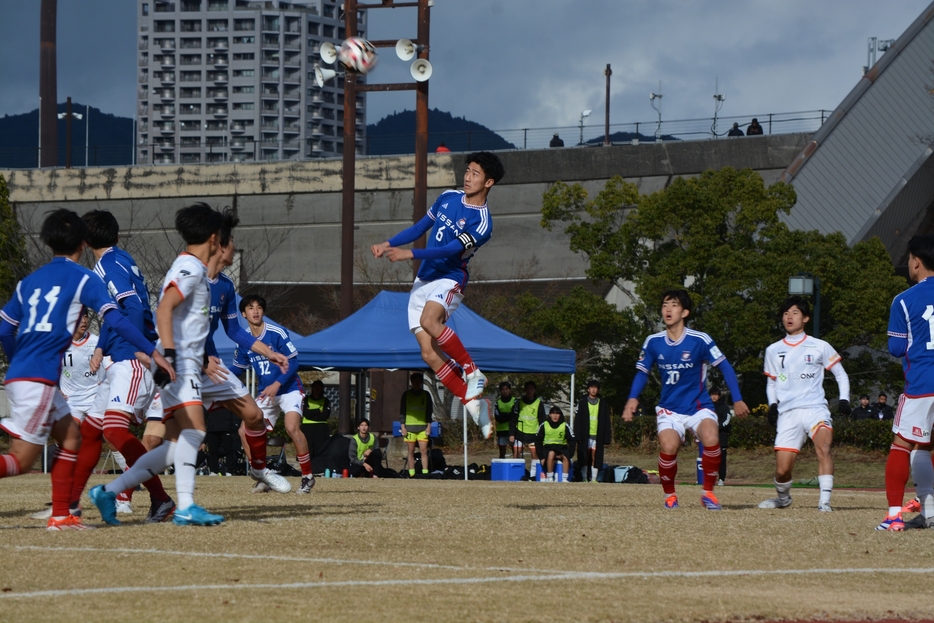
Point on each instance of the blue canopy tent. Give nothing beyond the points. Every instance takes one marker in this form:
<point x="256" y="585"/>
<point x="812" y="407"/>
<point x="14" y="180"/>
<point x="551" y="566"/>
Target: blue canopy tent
<point x="378" y="336"/>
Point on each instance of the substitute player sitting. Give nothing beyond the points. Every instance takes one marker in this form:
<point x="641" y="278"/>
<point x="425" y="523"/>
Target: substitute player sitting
<point x="45" y="309"/>
<point x="278" y="391"/>
<point x="460" y="223"/>
<point x="556" y="443"/>
<point x="682" y="356"/>
<point x="795" y="368"/>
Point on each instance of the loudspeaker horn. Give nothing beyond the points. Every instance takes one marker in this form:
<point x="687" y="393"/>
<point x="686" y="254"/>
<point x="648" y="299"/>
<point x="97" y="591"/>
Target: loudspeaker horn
<point x="323" y="75"/>
<point x="420" y="70"/>
<point x="328" y="52"/>
<point x="405" y="49"/>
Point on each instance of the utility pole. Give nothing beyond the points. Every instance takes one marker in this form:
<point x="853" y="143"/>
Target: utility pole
<point x="48" y="92"/>
<point x="606" y="120"/>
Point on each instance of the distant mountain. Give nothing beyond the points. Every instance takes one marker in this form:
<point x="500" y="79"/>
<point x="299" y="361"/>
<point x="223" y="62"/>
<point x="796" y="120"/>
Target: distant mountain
<point x="395" y="134"/>
<point x="110" y="141"/>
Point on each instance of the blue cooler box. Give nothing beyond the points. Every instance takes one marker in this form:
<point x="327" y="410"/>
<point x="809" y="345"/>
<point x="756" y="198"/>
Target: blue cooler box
<point x="434" y="432"/>
<point x="507" y="469"/>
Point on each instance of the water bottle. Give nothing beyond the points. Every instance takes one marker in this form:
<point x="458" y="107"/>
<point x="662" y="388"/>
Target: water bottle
<point x="345" y="473"/>
<point x="327" y="473"/>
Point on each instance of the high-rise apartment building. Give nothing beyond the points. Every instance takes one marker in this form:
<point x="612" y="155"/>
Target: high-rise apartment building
<point x="233" y="81"/>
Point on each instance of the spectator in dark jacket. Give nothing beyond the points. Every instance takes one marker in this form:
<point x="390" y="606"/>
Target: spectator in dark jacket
<point x="885" y="411"/>
<point x="593" y="431"/>
<point x="865" y="411"/>
<point x="754" y="128"/>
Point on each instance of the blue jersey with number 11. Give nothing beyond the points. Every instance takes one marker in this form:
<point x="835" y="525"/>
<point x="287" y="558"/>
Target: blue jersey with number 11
<point x="683" y="368"/>
<point x="46" y="307"/>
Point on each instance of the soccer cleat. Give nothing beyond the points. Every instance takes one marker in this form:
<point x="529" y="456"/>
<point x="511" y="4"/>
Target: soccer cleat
<point x="160" y="511"/>
<point x="124" y="507"/>
<point x="892" y="523"/>
<point x="710" y="501"/>
<point x="194" y="515"/>
<point x="913" y="506"/>
<point x="720" y="482"/>
<point x="780" y="502"/>
<point x="308" y="483"/>
<point x="824" y="507"/>
<point x="70" y="522"/>
<point x="473" y="409"/>
<point x="43" y="514"/>
<point x="476" y="381"/>
<point x="272" y="480"/>
<point x="260" y="487"/>
<point x="106" y="503"/>
<point x="670" y="502"/>
<point x="919" y="522"/>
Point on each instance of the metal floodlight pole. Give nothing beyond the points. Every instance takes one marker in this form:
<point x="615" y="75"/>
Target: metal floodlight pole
<point x="606" y="119"/>
<point x="48" y="91"/>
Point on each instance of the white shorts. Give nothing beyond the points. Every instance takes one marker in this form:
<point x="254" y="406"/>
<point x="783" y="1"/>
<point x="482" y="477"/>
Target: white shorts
<point x="446" y="292"/>
<point x="679" y="423"/>
<point x="283" y="403"/>
<point x="212" y="392"/>
<point x="592" y="443"/>
<point x="79" y="408"/>
<point x="34" y="409"/>
<point x="914" y="418"/>
<point x="184" y="392"/>
<point x="154" y="413"/>
<point x="796" y="425"/>
<point x="127" y="387"/>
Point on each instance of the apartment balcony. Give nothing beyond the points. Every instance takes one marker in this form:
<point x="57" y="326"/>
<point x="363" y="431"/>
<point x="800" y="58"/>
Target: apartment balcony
<point x="293" y="77"/>
<point x="271" y="111"/>
<point x="271" y="76"/>
<point x="167" y="95"/>
<point x="292" y="144"/>
<point x="237" y="145"/>
<point x="142" y="95"/>
<point x="270" y="94"/>
<point x="144" y="45"/>
<point x="142" y="127"/>
<point x="143" y="78"/>
<point x="292" y="45"/>
<point x="168" y="112"/>
<point x="167" y="46"/>
<point x="292" y="111"/>
<point x="220" y="62"/>
<point x="168" y="62"/>
<point x="317" y="130"/>
<point x="292" y="128"/>
<point x="167" y="128"/>
<point x="220" y="79"/>
<point x="142" y="111"/>
<point x="270" y="60"/>
<point x="219" y="96"/>
<point x="166" y="147"/>
<point x="270" y="125"/>
<point x="219" y="113"/>
<point x="317" y="114"/>
<point x="221" y="47"/>
<point x="144" y="61"/>
<point x="167" y="79"/>
<point x="270" y="42"/>
<point x="292" y="94"/>
<point x="236" y="128"/>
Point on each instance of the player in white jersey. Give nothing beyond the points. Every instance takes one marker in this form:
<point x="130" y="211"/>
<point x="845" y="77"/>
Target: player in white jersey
<point x="78" y="383"/>
<point x="183" y="323"/>
<point x="795" y="388"/>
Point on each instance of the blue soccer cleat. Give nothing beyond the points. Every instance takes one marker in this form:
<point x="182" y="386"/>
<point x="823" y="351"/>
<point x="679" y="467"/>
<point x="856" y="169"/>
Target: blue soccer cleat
<point x="671" y="501"/>
<point x="710" y="501"/>
<point x="106" y="503"/>
<point x="194" y="515"/>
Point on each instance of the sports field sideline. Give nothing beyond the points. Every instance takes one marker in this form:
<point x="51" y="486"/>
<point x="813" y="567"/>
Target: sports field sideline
<point x="391" y="550"/>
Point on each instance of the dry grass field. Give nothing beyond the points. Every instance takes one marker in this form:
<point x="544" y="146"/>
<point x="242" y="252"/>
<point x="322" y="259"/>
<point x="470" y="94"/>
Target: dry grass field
<point x="426" y="550"/>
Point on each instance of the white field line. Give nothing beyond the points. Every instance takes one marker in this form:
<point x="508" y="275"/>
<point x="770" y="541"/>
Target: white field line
<point x="458" y="581"/>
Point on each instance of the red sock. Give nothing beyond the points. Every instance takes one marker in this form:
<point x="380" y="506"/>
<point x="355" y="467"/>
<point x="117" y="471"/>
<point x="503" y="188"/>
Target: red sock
<point x="667" y="470"/>
<point x="710" y="465"/>
<point x="454" y="348"/>
<point x="304" y="462"/>
<point x="63" y="476"/>
<point x="256" y="440"/>
<point x="88" y="456"/>
<point x="897" y="473"/>
<point x="9" y="466"/>
<point x="451" y="378"/>
<point x="117" y="432"/>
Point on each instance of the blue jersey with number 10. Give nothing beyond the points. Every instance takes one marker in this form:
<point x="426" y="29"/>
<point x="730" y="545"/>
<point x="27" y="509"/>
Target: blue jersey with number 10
<point x="683" y="368"/>
<point x="46" y="307"/>
<point x="911" y="322"/>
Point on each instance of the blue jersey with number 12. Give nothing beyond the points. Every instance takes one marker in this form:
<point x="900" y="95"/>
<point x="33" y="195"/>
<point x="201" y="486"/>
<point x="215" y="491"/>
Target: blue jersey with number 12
<point x="267" y="372"/>
<point x="683" y="368"/>
<point x="46" y="307"/>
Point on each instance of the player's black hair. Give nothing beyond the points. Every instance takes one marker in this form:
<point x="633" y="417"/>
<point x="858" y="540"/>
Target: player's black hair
<point x="416" y="375"/>
<point x="557" y="410"/>
<point x="198" y="222"/>
<point x="715" y="390"/>
<point x="881" y="394"/>
<point x="249" y="299"/>
<point x="362" y="420"/>
<point x="505" y="384"/>
<point x="593" y="383"/>
<point x="796" y="301"/>
<point x="490" y="163"/>
<point x="231" y="220"/>
<point x="681" y="296"/>
<point x="103" y="229"/>
<point x="532" y="383"/>
<point x="63" y="231"/>
<point x="922" y="247"/>
<point x="318" y="382"/>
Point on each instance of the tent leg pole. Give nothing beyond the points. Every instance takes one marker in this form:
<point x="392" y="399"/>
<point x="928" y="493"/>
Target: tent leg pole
<point x="572" y="401"/>
<point x="464" y="418"/>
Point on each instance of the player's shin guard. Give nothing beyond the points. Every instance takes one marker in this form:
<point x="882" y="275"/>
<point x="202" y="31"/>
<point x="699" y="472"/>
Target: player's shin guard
<point x="9" y="466"/>
<point x="88" y="455"/>
<point x="186" y="459"/>
<point x="922" y="472"/>
<point x="117" y="432"/>
<point x="454" y="348"/>
<point x="450" y="377"/>
<point x="304" y="463"/>
<point x="897" y="471"/>
<point x="63" y="475"/>
<point x="667" y="470"/>
<point x="256" y="440"/>
<point x="826" y="487"/>
<point x="143" y="470"/>
<point x="710" y="465"/>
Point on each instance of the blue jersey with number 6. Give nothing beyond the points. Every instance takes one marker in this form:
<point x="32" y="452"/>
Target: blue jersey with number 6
<point x="455" y="219"/>
<point x="911" y="327"/>
<point x="267" y="372"/>
<point x="46" y="307"/>
<point x="683" y="368"/>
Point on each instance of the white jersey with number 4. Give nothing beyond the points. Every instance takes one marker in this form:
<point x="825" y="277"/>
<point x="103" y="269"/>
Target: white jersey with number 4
<point x="78" y="383"/>
<point x="191" y="320"/>
<point x="797" y="370"/>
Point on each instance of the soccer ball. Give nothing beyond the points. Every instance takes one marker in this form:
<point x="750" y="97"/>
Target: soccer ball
<point x="357" y="55"/>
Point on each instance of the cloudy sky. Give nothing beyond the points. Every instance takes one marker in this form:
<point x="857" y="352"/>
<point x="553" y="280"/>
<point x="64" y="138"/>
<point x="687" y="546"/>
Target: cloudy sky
<point x="528" y="63"/>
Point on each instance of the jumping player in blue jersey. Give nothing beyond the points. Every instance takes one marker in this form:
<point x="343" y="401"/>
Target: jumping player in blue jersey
<point x="45" y="309"/>
<point x="911" y="337"/>
<point x="682" y="356"/>
<point x="460" y="223"/>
